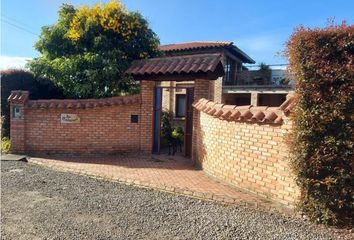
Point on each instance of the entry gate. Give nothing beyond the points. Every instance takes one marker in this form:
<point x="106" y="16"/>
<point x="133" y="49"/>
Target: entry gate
<point x="188" y="126"/>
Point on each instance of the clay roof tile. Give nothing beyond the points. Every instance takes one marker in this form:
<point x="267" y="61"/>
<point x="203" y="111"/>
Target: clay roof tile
<point x="258" y="116"/>
<point x="185" y="64"/>
<point x="194" y="45"/>
<point x="69" y="105"/>
<point x="270" y="117"/>
<point x="52" y="105"/>
<point x="235" y="115"/>
<point x="246" y="115"/>
<point x="278" y="120"/>
<point x="226" y="114"/>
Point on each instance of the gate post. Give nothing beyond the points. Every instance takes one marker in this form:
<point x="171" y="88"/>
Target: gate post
<point x="17" y="101"/>
<point x="201" y="90"/>
<point x="146" y="115"/>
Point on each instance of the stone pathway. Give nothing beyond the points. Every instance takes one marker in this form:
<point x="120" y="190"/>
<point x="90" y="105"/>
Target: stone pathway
<point x="161" y="172"/>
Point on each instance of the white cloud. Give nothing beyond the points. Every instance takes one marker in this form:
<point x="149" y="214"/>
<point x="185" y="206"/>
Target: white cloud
<point x="7" y="62"/>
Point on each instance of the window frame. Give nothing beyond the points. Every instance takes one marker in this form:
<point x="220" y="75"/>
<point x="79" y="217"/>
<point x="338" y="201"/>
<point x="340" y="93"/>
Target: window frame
<point x="230" y="70"/>
<point x="177" y="105"/>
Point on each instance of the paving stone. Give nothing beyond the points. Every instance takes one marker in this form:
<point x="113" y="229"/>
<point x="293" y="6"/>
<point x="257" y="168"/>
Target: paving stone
<point x="175" y="174"/>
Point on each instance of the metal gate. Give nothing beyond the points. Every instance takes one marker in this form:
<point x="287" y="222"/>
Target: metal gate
<point x="188" y="127"/>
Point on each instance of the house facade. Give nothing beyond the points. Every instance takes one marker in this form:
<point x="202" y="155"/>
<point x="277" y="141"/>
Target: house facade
<point x="243" y="146"/>
<point x="238" y="85"/>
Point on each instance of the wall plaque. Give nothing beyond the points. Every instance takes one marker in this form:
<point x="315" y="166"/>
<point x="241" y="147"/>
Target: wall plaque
<point x="69" y="118"/>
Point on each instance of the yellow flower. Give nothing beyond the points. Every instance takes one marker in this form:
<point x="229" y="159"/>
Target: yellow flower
<point x="110" y="16"/>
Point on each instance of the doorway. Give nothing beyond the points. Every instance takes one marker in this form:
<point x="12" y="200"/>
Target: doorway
<point x="172" y="129"/>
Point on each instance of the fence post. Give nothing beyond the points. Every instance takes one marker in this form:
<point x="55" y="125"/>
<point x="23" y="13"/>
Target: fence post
<point x="17" y="100"/>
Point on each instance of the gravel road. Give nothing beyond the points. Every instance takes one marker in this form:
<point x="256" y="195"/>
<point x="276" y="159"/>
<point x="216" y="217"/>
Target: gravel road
<point x="39" y="203"/>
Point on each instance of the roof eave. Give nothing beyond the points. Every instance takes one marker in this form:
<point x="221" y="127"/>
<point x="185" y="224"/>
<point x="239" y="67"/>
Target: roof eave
<point x="246" y="58"/>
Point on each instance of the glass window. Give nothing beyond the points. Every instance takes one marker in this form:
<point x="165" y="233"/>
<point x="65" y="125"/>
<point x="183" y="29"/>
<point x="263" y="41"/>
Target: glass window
<point x="16" y="112"/>
<point x="180" y="105"/>
<point x="229" y="69"/>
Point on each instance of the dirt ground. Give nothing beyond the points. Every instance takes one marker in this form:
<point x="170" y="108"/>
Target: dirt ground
<point x="38" y="203"/>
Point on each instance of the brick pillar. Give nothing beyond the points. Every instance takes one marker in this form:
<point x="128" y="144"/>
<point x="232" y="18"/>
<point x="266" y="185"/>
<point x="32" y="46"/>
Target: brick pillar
<point x="146" y="115"/>
<point x="254" y="98"/>
<point x="17" y="101"/>
<point x="201" y="90"/>
<point x="216" y="90"/>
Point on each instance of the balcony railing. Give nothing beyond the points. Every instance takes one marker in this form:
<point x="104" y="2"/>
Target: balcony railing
<point x="257" y="78"/>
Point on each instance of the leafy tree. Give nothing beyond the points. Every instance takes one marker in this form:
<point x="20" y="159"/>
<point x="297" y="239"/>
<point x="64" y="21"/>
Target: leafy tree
<point x="264" y="67"/>
<point x="87" y="51"/>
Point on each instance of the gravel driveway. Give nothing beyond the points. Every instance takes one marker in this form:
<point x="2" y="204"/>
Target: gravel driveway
<point x="38" y="203"/>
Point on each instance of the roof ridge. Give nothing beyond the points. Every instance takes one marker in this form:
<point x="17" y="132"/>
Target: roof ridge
<point x="179" y="56"/>
<point x="207" y="41"/>
<point x="200" y="45"/>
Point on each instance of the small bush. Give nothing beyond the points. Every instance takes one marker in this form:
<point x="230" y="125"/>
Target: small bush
<point x="5" y="145"/>
<point x="23" y="80"/>
<point x="323" y="136"/>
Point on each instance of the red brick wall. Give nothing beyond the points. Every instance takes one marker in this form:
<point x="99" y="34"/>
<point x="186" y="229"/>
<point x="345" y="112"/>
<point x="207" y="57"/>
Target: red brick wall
<point x="105" y="125"/>
<point x="248" y="154"/>
<point x="101" y="130"/>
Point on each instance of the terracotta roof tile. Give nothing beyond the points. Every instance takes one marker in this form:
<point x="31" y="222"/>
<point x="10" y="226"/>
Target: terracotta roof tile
<point x="186" y="64"/>
<point x="200" y="45"/>
<point x="289" y="104"/>
<point x="270" y="115"/>
<point x="18" y="96"/>
<point x="194" y="45"/>
<point x="83" y="103"/>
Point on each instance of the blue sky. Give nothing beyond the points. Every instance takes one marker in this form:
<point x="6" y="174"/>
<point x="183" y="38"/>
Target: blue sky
<point x="258" y="27"/>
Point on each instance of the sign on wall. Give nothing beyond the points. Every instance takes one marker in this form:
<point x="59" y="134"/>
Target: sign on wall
<point x="69" y="118"/>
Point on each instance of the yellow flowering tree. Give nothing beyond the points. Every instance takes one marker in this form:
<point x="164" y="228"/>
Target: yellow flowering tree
<point x="87" y="51"/>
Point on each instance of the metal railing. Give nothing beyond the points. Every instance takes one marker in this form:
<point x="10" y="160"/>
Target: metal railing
<point x="257" y="78"/>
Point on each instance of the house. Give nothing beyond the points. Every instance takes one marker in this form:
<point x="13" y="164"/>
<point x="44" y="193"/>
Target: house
<point x="239" y="86"/>
<point x="214" y="133"/>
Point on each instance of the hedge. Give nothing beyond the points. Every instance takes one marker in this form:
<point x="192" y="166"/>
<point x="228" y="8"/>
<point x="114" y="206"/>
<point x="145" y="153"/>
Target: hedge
<point x="23" y="80"/>
<point x="323" y="137"/>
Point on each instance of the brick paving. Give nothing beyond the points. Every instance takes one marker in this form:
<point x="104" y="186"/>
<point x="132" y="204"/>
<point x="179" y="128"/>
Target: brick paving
<point x="172" y="174"/>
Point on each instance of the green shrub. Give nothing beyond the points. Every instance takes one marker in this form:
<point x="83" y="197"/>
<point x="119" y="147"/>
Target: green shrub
<point x="323" y="136"/>
<point x="5" y="145"/>
<point x="39" y="88"/>
<point x="166" y="128"/>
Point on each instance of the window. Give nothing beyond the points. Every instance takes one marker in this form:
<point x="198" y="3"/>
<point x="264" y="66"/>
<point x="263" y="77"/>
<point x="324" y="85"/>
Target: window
<point x="180" y="105"/>
<point x="239" y="99"/>
<point x="16" y="112"/>
<point x="271" y="100"/>
<point x="229" y="69"/>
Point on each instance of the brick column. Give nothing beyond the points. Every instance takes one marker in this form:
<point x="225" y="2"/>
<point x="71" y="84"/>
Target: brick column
<point x="201" y="90"/>
<point x="254" y="98"/>
<point x="216" y="90"/>
<point x="17" y="101"/>
<point x="146" y="115"/>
